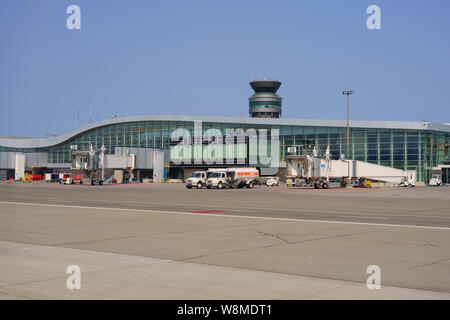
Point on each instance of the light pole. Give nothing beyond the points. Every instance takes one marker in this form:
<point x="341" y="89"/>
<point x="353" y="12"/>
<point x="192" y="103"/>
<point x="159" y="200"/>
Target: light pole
<point x="348" y="93"/>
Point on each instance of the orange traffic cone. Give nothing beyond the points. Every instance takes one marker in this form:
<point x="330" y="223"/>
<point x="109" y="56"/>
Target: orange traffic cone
<point x="10" y="180"/>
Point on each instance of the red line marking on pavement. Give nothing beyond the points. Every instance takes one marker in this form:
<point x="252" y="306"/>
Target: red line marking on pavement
<point x="208" y="211"/>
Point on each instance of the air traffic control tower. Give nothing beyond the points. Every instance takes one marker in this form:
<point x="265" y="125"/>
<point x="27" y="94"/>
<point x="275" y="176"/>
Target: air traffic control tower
<point x="265" y="103"/>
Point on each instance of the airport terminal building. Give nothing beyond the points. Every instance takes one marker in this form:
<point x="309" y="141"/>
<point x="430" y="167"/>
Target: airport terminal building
<point x="416" y="146"/>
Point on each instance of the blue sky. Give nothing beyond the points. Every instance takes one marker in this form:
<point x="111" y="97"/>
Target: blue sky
<point x="196" y="57"/>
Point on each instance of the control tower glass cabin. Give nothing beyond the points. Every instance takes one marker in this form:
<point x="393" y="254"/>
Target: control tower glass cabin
<point x="265" y="103"/>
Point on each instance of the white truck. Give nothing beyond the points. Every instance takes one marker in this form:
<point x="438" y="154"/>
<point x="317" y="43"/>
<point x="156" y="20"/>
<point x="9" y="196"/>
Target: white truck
<point x="435" y="180"/>
<point x="232" y="178"/>
<point x="197" y="180"/>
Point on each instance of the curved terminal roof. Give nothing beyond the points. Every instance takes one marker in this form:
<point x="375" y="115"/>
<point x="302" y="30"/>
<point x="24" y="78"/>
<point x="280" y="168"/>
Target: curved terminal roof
<point x="52" y="141"/>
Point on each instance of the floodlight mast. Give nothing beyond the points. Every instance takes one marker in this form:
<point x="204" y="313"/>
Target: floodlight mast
<point x="348" y="93"/>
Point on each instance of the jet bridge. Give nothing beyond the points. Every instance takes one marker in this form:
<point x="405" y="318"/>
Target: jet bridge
<point x="312" y="168"/>
<point x="94" y="163"/>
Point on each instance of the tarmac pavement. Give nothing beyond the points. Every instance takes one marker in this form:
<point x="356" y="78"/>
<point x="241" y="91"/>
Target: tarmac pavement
<point x="145" y="241"/>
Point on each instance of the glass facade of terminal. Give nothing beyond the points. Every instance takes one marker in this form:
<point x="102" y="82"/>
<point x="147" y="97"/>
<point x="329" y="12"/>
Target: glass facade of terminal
<point x="400" y="148"/>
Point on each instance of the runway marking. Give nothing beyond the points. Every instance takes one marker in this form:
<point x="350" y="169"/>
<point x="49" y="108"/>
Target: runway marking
<point x="226" y="216"/>
<point x="243" y="209"/>
<point x="362" y="217"/>
<point x="211" y="211"/>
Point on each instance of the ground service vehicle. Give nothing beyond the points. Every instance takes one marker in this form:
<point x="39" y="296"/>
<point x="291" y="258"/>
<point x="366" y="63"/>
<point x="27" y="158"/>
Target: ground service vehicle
<point x="407" y="182"/>
<point x="232" y="178"/>
<point x="72" y="178"/>
<point x="273" y="181"/>
<point x="52" y="177"/>
<point x="197" y="180"/>
<point x="435" y="181"/>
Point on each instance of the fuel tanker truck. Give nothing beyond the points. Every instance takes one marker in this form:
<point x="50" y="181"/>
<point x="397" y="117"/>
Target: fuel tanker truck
<point x="232" y="178"/>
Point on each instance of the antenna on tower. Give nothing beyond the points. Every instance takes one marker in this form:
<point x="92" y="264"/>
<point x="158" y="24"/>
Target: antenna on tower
<point x="45" y="126"/>
<point x="90" y="113"/>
